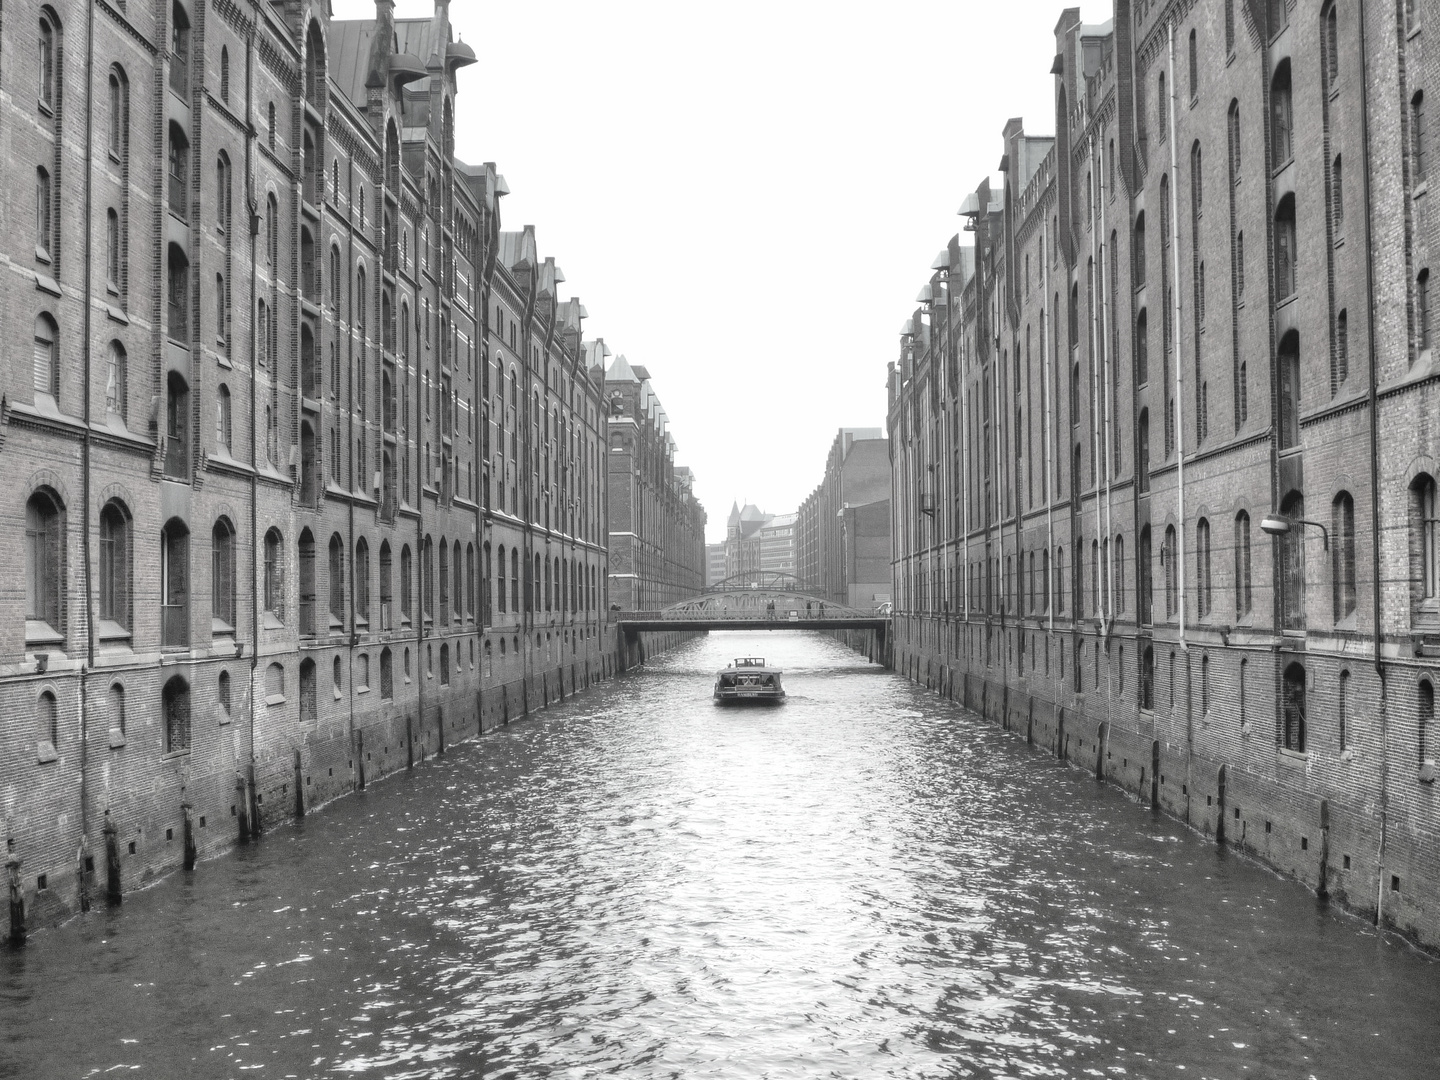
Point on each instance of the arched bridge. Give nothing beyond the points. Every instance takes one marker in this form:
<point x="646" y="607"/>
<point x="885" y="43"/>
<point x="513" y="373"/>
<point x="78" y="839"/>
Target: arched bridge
<point x="753" y="608"/>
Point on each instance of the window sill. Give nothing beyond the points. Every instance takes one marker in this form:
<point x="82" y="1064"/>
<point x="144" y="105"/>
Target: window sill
<point x="1420" y="190"/>
<point x="41" y="633"/>
<point x="117" y="739"/>
<point x="221" y="629"/>
<point x="1297" y="756"/>
<point x="275" y="699"/>
<point x="270" y="622"/>
<point x="45" y="753"/>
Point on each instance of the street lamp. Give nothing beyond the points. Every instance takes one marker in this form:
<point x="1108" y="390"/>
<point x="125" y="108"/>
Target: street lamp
<point x="1276" y="525"/>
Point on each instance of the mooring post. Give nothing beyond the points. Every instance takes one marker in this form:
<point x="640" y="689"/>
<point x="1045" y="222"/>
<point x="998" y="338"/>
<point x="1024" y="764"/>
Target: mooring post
<point x="112" y="862"/>
<point x="189" y="832"/>
<point x="17" y="901"/>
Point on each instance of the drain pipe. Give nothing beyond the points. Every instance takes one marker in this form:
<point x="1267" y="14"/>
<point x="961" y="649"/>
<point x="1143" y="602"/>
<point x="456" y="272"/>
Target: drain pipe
<point x="251" y="825"/>
<point x="1096" y="345"/>
<point x="1047" y="391"/>
<point x="1179" y="367"/>
<point x="1374" y="405"/>
<point x="1108" y="593"/>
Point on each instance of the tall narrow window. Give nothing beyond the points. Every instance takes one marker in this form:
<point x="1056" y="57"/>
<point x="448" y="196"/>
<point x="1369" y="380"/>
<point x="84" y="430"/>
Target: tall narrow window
<point x="222" y="420"/>
<point x="1194" y="68"/>
<point x="177" y="427"/>
<point x="1425" y="720"/>
<point x="112" y="250"/>
<point x="179" y="50"/>
<point x="1279" y="16"/>
<point x="307" y="584"/>
<point x="225" y="74"/>
<point x="1162" y="111"/>
<point x="1229" y="27"/>
<point x="1202" y="567"/>
<point x="1288" y="373"/>
<point x="47" y="356"/>
<point x="1422" y="309"/>
<point x="175" y="700"/>
<point x="119" y="126"/>
<point x="1332" y="49"/>
<point x="1342" y="348"/>
<point x="114" y="566"/>
<point x="308" y="703"/>
<point x="1142" y="348"/>
<point x="1342" y="712"/>
<point x="1142" y="451"/>
<point x="46" y="62"/>
<point x="1285" y="249"/>
<point x="1137" y="251"/>
<point x="43" y="233"/>
<point x="274" y="583"/>
<point x="1337" y="193"/>
<point x="1243" y="597"/>
<point x="44" y="567"/>
<point x="175" y="584"/>
<point x="178" y="295"/>
<point x="1171" y="560"/>
<point x="1342" y="556"/>
<point x="179" y="172"/>
<point x="1281" y="123"/>
<point x="337" y="580"/>
<point x="1424" y="552"/>
<point x="361" y="572"/>
<point x="1292" y="709"/>
<point x="501" y="595"/>
<point x="386" y="599"/>
<point x="222" y="577"/>
<point x="1292" y="566"/>
<point x="1418" y="159"/>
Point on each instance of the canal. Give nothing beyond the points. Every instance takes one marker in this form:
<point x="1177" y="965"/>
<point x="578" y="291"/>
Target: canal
<point x="866" y="881"/>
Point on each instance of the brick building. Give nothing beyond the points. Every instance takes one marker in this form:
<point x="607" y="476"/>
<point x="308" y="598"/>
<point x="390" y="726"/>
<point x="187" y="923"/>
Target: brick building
<point x="657" y="527"/>
<point x="1165" y="436"/>
<point x="304" y="468"/>
<point x="844" y="525"/>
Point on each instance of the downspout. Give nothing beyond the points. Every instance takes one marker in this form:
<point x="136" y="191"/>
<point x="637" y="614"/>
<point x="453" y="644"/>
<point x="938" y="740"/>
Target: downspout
<point x="254" y="222"/>
<point x="1375" y="494"/>
<point x="965" y="486"/>
<point x="1096" y="255"/>
<point x="1107" y="443"/>
<point x="1179" y="367"/>
<point x="360" y="479"/>
<point x="87" y="353"/>
<point x="1048" y="392"/>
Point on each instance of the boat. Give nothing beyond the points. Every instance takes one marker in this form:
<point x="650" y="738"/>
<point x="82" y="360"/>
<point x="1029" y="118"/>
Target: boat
<point x="749" y="679"/>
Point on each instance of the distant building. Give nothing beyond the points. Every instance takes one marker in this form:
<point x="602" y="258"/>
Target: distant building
<point x="714" y="564"/>
<point x="843" y="531"/>
<point x="756" y="541"/>
<point x="657" y="528"/>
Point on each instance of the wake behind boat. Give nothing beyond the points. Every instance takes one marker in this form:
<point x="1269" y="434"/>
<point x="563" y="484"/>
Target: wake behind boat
<point x="749" y="679"/>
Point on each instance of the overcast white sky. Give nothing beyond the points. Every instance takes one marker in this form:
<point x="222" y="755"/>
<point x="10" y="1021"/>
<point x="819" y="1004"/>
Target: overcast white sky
<point x="747" y="196"/>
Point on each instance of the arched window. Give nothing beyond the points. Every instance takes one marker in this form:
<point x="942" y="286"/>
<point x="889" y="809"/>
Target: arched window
<point x="387" y="675"/>
<point x="1147" y="677"/>
<point x="405" y="584"/>
<point x="46" y="61"/>
<point x="1424" y="552"/>
<point x="1142" y="451"/>
<point x="362" y="580"/>
<point x="175" y="584"/>
<point x="1337" y="193"/>
<point x="275" y="684"/>
<point x="1229" y="27"/>
<point x="309" y="464"/>
<point x="225" y="74"/>
<point x="444" y="664"/>
<point x="274" y="580"/>
<point x="307" y="584"/>
<point x="179" y="172"/>
<point x="44" y="234"/>
<point x="444" y="582"/>
<point x="1142" y="348"/>
<point x="112" y="250"/>
<point x="386" y="612"/>
<point x="1243" y="598"/>
<point x="1418" y="160"/>
<point x="179" y="49"/>
<point x="309" y="364"/>
<point x="178" y="294"/>
<point x="1144" y="577"/>
<point x="337" y="579"/>
<point x="515" y="580"/>
<point x="307" y="691"/>
<point x="44" y="567"/>
<point x="1422" y="309"/>
<point x="47" y="356"/>
<point x="1169" y="557"/>
<point x="116" y="703"/>
<point x="177" y="427"/>
<point x="1202" y="567"/>
<point x="1162" y="111"/>
<point x="1285" y="249"/>
<point x="1342" y="556"/>
<point x="222" y="577"/>
<point x="222" y="420"/>
<point x="309" y="267"/>
<point x="1292" y="709"/>
<point x="175" y="699"/>
<point x="1425" y="720"/>
<point x="1288" y="375"/>
<point x="1342" y="349"/>
<point x="1292" y="566"/>
<point x="1118" y="575"/>
<point x="1281" y="123"/>
<point x="427" y="579"/>
<point x="1342" y="712"/>
<point x="470" y="582"/>
<point x="501" y="595"/>
<point x="114" y="567"/>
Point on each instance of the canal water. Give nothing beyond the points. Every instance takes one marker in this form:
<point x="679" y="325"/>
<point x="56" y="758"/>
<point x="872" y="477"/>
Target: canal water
<point x="864" y="882"/>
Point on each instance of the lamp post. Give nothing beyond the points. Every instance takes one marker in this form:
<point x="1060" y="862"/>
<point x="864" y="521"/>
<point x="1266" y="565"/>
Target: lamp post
<point x="1279" y="525"/>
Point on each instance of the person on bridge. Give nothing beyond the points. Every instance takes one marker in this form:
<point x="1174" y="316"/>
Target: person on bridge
<point x="822" y="609"/>
<point x="808" y="610"/>
<point x="770" y="610"/>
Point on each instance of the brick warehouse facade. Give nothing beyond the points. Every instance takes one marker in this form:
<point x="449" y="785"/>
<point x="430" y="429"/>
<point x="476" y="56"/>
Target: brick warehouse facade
<point x="1088" y="430"/>
<point x="305" y="469"/>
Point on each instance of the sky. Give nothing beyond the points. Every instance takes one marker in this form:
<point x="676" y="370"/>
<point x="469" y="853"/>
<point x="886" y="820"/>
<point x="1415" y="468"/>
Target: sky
<point x="748" y="196"/>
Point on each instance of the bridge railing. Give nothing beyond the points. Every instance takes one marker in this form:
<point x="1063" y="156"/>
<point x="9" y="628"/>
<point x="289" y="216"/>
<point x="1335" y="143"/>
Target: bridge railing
<point x="736" y="614"/>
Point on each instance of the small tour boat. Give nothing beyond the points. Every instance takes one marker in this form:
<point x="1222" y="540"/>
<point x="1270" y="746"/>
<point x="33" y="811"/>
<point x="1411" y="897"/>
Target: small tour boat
<point x="749" y="678"/>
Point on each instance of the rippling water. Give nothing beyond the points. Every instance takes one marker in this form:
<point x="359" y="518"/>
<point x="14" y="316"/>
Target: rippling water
<point x="863" y="882"/>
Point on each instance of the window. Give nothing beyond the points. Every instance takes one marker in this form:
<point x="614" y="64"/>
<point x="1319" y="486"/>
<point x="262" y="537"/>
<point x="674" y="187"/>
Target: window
<point x="117" y="713"/>
<point x="1137" y="251"/>
<point x="115" y="565"/>
<point x="1118" y="575"/>
<point x="337" y="579"/>
<point x="1285" y="249"/>
<point x="307" y="691"/>
<point x="1292" y="566"/>
<point x="444" y="664"/>
<point x="222" y="420"/>
<point x="1194" y="68"/>
<point x="1342" y="348"/>
<point x="309" y="464"/>
<point x="1232" y="131"/>
<point x="1204" y="685"/>
<point x="307" y="584"/>
<point x="405" y="584"/>
<point x="47" y="356"/>
<point x="1342" y="556"/>
<point x="270" y="131"/>
<point x="1342" y="712"/>
<point x="1417" y="138"/>
<point x="387" y="674"/>
<point x="275" y="684"/>
<point x="1337" y="194"/>
<point x="1202" y="567"/>
<point x="427" y="579"/>
<point x="178" y="294"/>
<point x="500" y="593"/>
<point x="112" y="250"/>
<point x="1288" y="373"/>
<point x="1281" y="124"/>
<point x="175" y="585"/>
<point x="1422" y="309"/>
<point x="179" y="172"/>
<point x="1147" y="677"/>
<point x="1229" y="27"/>
<point x="179" y="50"/>
<point x="225" y="74"/>
<point x="274" y="582"/>
<point x="44" y="566"/>
<point x="362" y="580"/>
<point x="1162" y="111"/>
<point x="1279" y="16"/>
<point x="222" y="577"/>
<point x="43" y="233"/>
<point x="1425" y="720"/>
<point x="1169" y="558"/>
<point x="1144" y="578"/>
<point x="444" y="582"/>
<point x="1424" y="554"/>
<point x="177" y="427"/>
<point x="175" y="700"/>
<point x="515" y="580"/>
<point x="1292" y="709"/>
<point x="46" y="58"/>
<point x="1243" y="596"/>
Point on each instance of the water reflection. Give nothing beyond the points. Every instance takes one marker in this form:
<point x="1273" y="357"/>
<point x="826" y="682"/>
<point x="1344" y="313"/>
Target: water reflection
<point x="864" y="882"/>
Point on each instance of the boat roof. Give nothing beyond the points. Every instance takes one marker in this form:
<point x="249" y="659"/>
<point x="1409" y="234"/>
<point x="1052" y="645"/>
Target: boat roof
<point x="752" y="663"/>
